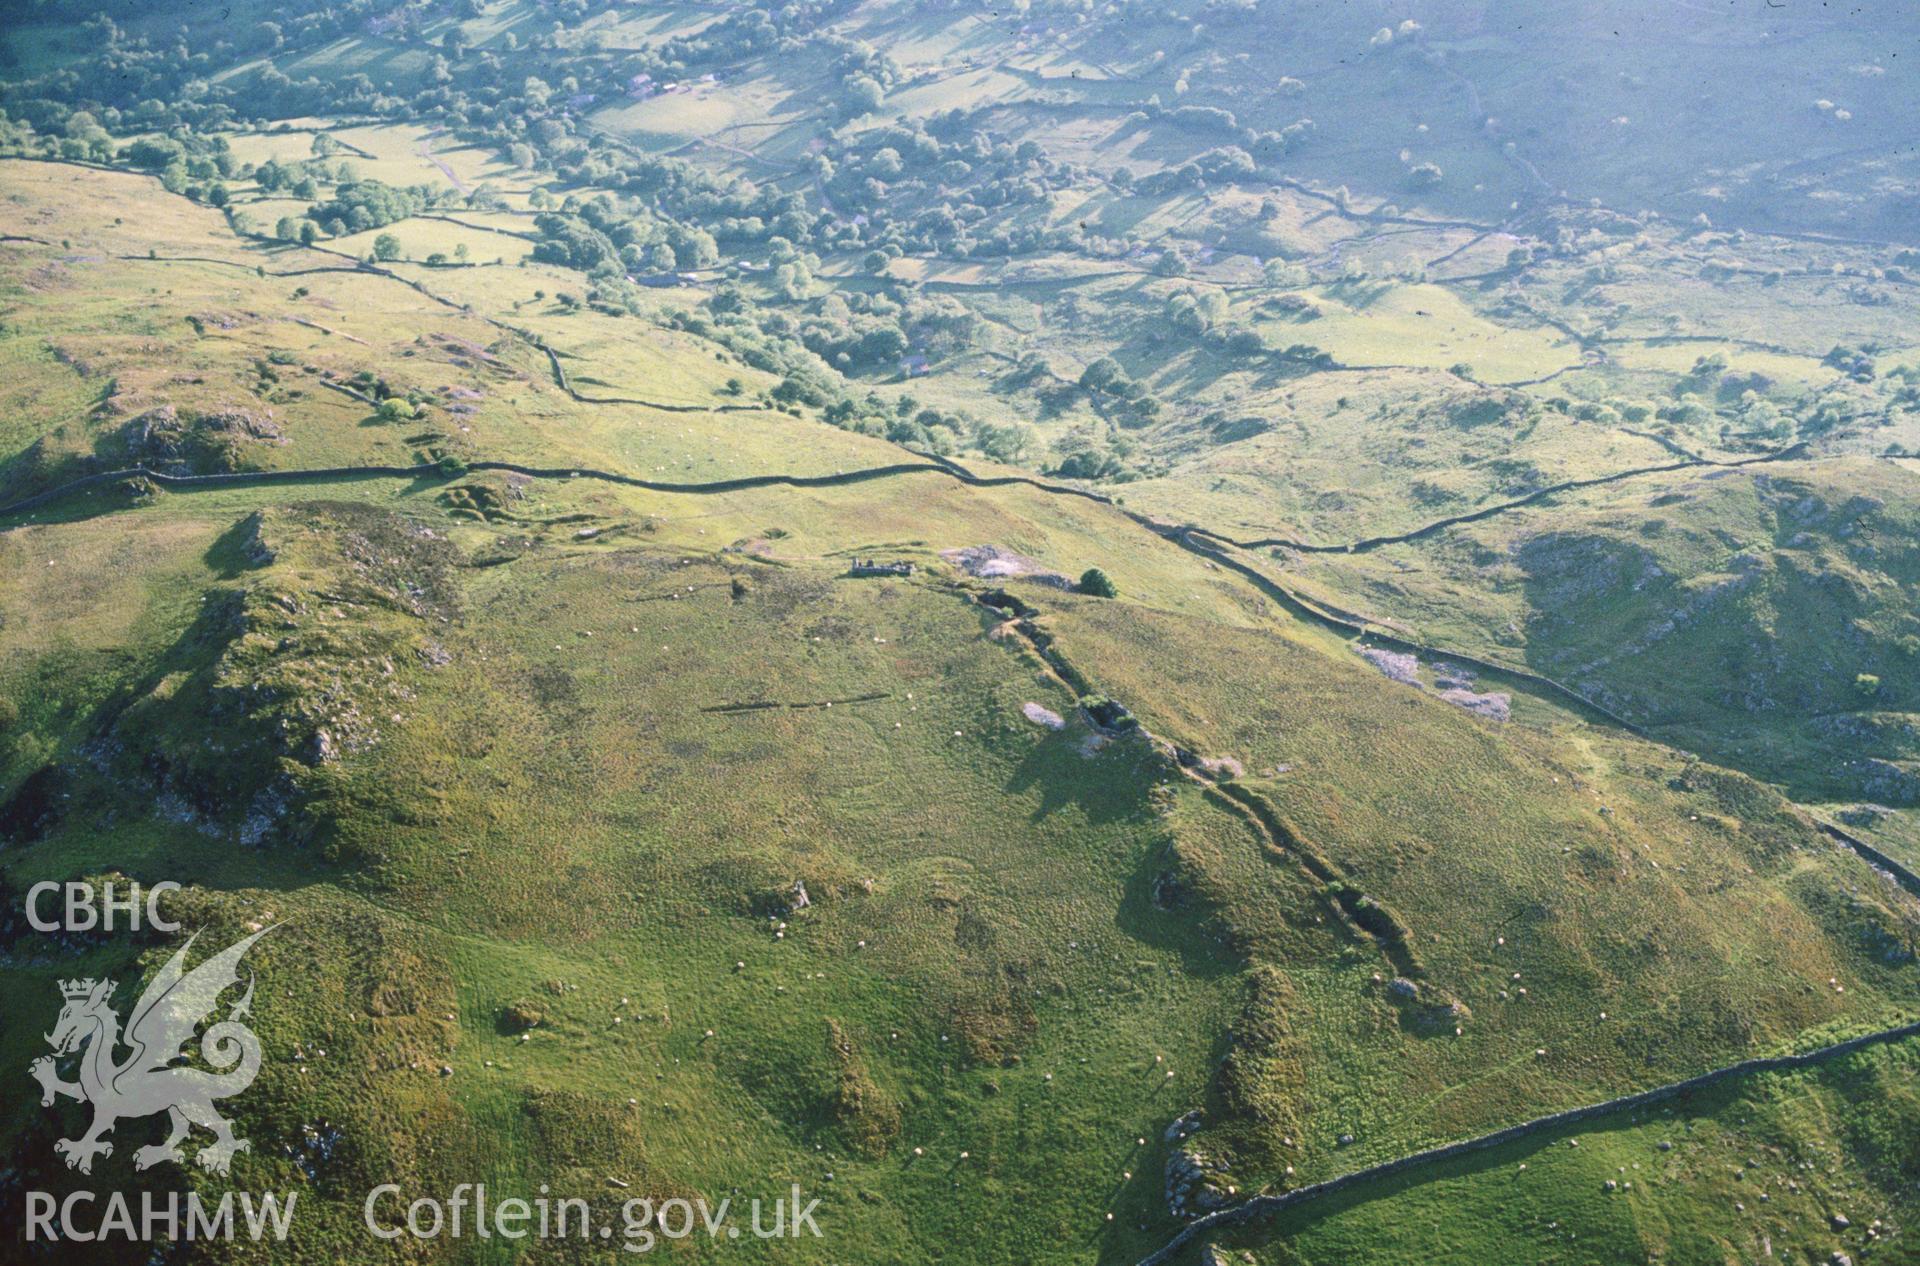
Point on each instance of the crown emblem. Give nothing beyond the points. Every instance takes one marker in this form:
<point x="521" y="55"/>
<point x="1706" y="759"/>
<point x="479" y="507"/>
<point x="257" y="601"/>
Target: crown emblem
<point x="76" y="989"/>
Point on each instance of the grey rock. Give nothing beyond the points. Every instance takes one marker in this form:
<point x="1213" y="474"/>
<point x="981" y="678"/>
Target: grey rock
<point x="1184" y="1125"/>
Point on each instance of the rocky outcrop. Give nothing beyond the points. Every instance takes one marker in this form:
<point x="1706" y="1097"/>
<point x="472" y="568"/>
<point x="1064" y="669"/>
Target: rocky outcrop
<point x="170" y="440"/>
<point x="265" y="688"/>
<point x="1196" y="1183"/>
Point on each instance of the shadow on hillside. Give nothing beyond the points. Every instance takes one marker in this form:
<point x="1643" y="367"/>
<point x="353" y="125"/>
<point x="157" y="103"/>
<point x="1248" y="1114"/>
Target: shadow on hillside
<point x="1103" y="787"/>
<point x="1180" y="928"/>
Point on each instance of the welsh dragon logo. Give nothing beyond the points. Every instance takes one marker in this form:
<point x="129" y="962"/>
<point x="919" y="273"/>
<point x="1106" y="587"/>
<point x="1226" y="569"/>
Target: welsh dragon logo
<point x="151" y="1079"/>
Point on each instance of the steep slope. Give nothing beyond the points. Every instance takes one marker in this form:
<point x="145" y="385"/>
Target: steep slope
<point x="1763" y="617"/>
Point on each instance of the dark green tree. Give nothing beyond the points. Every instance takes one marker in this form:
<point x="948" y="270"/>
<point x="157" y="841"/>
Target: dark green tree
<point x="1096" y="582"/>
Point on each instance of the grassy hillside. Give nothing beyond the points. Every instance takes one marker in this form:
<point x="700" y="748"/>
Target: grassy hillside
<point x="537" y="793"/>
<point x="1729" y="1177"/>
<point x="1784" y="592"/>
<point x="1552" y="586"/>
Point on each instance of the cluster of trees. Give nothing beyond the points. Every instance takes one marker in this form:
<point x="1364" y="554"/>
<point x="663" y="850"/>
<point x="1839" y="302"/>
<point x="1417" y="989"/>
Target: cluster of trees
<point x="1202" y="312"/>
<point x="774" y="341"/>
<point x="84" y="140"/>
<point x="303" y="179"/>
<point x="186" y="162"/>
<point x="865" y="75"/>
<point x="605" y="235"/>
<point x="738" y="36"/>
<point x="1223" y="165"/>
<point x="1085" y="454"/>
<point x="950" y="187"/>
<point x="571" y="242"/>
<point x="859" y="332"/>
<point x="852" y="343"/>
<point x="355" y="205"/>
<point x="1213" y="121"/>
<point x="1129" y="400"/>
<point x="359" y="205"/>
<point x="904" y="421"/>
<point x="128" y="83"/>
<point x="296" y="229"/>
<point x="1736" y="405"/>
<point x="1196" y="310"/>
<point x="943" y="186"/>
<point x="1855" y="362"/>
<point x="17" y="136"/>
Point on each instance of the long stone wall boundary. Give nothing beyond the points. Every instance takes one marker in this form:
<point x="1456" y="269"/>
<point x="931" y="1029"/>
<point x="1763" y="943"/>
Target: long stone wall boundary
<point x="1266" y="1206"/>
